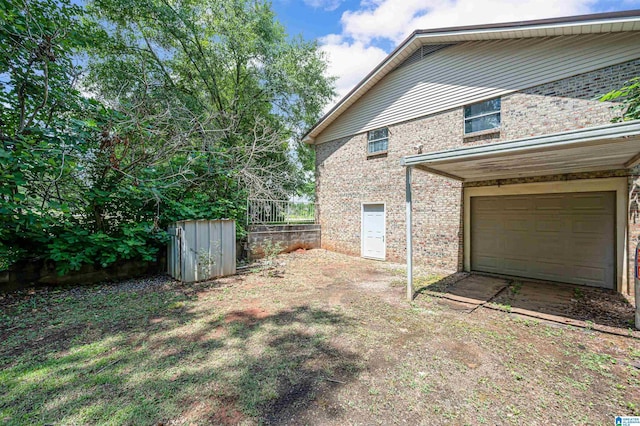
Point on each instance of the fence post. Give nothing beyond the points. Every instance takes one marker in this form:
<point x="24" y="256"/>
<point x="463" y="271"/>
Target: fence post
<point x="247" y="213"/>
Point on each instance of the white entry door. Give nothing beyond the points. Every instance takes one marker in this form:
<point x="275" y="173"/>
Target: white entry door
<point x="373" y="230"/>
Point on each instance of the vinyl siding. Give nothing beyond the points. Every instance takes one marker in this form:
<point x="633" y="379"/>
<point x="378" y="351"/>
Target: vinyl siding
<point x="472" y="71"/>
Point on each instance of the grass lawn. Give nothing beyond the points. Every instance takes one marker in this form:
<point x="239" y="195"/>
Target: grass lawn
<point x="329" y="340"/>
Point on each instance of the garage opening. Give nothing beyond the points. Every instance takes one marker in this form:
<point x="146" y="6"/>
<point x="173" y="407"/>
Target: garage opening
<point x="564" y="237"/>
<point x="582" y="239"/>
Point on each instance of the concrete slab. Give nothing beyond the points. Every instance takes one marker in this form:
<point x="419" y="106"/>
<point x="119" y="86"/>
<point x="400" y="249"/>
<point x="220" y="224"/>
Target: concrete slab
<point x="600" y="306"/>
<point x="566" y="303"/>
<point x="475" y="289"/>
<point x="552" y="298"/>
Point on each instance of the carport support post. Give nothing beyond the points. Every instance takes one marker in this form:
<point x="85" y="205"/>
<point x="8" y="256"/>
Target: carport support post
<point x="409" y="237"/>
<point x="636" y="284"/>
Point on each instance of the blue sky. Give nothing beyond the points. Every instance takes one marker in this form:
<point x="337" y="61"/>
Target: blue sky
<point x="315" y="19"/>
<point x="357" y="35"/>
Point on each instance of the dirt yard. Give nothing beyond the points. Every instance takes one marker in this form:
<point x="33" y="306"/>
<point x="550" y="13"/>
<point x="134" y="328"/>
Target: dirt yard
<point x="326" y="340"/>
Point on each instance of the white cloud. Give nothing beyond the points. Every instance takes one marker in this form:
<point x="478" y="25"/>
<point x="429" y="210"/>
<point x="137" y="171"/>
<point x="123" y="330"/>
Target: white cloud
<point x="328" y="5"/>
<point x="396" y="19"/>
<point x="349" y="61"/>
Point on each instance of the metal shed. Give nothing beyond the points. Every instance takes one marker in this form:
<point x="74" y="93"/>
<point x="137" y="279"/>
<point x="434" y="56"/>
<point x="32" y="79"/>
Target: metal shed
<point x="201" y="249"/>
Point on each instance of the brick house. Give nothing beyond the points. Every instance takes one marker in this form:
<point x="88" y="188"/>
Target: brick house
<point x="484" y="148"/>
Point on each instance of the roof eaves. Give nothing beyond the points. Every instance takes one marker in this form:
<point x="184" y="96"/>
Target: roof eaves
<point x="520" y="25"/>
<point x="536" y="22"/>
<point x="362" y="82"/>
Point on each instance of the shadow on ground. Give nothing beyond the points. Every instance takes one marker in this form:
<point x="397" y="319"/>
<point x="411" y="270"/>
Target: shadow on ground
<point x="600" y="306"/>
<point x="145" y="358"/>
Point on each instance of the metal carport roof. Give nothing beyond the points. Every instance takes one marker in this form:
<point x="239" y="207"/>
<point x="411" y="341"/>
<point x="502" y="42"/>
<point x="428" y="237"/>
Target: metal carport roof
<point x="609" y="147"/>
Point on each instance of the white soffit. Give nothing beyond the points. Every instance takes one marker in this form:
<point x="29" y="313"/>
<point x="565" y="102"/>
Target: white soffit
<point x="615" y="146"/>
<point x="585" y="24"/>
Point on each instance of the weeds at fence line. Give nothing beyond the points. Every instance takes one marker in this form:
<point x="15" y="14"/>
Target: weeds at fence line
<point x="271" y="250"/>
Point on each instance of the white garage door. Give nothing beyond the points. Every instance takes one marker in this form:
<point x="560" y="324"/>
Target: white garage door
<point x="557" y="237"/>
<point x="373" y="230"/>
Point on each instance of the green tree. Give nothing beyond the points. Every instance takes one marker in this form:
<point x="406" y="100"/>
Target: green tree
<point x="629" y="106"/>
<point x="38" y="100"/>
<point x="628" y="97"/>
<point x="221" y="82"/>
<point x="196" y="106"/>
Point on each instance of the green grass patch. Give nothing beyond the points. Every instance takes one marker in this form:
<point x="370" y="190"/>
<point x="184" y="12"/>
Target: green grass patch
<point x="145" y="358"/>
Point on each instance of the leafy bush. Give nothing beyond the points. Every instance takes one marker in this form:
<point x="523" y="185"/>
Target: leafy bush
<point x="629" y="98"/>
<point x="71" y="248"/>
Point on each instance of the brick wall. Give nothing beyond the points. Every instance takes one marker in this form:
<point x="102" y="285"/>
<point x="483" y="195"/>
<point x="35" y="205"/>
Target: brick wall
<point x="346" y="178"/>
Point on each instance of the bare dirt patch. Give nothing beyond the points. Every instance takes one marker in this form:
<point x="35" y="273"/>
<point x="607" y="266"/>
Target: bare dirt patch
<point x="602" y="307"/>
<point x="246" y="316"/>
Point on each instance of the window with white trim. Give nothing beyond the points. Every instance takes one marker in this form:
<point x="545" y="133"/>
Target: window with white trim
<point x="378" y="141"/>
<point x="482" y="116"/>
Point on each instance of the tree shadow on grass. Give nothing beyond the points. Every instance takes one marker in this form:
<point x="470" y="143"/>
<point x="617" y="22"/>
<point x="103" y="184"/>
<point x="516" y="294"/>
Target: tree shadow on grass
<point x="296" y="365"/>
<point x="150" y="358"/>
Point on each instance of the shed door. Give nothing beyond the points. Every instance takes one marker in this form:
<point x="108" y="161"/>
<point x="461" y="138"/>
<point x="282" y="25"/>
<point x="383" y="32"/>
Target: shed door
<point x="557" y="237"/>
<point x="373" y="230"/>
